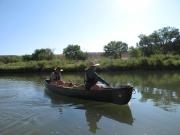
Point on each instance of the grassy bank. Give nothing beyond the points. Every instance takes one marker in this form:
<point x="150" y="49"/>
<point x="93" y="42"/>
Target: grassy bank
<point x="107" y="64"/>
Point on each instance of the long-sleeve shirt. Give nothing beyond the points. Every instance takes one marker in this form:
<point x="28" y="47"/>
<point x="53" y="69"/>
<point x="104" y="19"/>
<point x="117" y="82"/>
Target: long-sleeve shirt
<point x="55" y="76"/>
<point x="91" y="78"/>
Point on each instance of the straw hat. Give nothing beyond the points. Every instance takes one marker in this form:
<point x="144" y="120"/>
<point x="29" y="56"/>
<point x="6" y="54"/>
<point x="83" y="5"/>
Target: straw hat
<point x="58" y="68"/>
<point x="93" y="64"/>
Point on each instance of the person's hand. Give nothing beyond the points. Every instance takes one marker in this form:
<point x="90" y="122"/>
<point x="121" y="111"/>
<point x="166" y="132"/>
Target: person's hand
<point x="108" y="85"/>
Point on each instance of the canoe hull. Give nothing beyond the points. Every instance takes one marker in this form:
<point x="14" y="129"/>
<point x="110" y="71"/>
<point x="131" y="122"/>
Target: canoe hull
<point x="120" y="95"/>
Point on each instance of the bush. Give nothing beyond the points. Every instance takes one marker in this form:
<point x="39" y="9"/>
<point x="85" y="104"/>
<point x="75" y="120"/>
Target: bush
<point x="43" y="54"/>
<point x="10" y="59"/>
<point x="74" y="52"/>
<point x="27" y="57"/>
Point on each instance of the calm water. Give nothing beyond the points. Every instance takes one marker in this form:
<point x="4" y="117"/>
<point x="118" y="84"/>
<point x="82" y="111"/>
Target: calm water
<point x="27" y="108"/>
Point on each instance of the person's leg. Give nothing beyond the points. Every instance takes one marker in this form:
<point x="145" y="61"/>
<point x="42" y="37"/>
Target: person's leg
<point x="60" y="82"/>
<point x="96" y="87"/>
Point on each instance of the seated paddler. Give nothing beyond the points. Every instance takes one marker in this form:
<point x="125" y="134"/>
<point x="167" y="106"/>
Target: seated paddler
<point x="91" y="78"/>
<point x="56" y="76"/>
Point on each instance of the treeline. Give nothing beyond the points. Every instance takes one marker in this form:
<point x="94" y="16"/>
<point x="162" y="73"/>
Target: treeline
<point x="159" y="50"/>
<point x="113" y="49"/>
<point x="163" y="41"/>
<point x="39" y="54"/>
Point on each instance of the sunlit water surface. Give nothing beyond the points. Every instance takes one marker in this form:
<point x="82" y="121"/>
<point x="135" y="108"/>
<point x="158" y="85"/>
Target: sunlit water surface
<point x="27" y="108"/>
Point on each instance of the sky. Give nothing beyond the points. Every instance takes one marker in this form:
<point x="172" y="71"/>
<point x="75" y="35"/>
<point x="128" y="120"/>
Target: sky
<point x="26" y="25"/>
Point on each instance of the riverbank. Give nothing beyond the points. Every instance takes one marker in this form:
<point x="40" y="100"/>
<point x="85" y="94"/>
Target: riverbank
<point x="156" y="62"/>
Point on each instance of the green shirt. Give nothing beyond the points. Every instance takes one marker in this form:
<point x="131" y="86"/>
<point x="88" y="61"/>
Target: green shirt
<point x="91" y="78"/>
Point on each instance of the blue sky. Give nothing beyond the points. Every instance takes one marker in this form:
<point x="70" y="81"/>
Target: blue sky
<point x="26" y="25"/>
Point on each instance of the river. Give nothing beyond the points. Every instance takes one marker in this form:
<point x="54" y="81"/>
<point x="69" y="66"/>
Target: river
<point x="27" y="108"/>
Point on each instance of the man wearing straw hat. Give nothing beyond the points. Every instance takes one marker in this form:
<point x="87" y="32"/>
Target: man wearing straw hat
<point x="91" y="78"/>
<point x="56" y="74"/>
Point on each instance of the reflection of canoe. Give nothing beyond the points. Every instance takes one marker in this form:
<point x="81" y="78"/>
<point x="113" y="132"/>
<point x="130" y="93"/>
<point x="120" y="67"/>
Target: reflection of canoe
<point x="120" y="95"/>
<point x="94" y="110"/>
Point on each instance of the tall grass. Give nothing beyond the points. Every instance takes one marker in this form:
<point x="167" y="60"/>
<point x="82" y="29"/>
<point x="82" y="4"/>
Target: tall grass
<point x="107" y="64"/>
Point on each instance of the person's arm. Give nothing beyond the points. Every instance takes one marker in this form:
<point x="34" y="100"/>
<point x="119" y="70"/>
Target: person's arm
<point x="52" y="76"/>
<point x="59" y="76"/>
<point x="98" y="78"/>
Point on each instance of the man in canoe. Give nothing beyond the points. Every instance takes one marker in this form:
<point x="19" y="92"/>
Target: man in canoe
<point x="56" y="76"/>
<point x="91" y="78"/>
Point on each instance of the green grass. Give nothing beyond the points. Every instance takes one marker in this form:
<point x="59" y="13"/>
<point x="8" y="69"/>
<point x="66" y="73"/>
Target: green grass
<point x="107" y="64"/>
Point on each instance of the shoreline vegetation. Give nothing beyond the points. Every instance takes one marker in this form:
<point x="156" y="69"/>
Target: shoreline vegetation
<point x="158" y="51"/>
<point x="154" y="62"/>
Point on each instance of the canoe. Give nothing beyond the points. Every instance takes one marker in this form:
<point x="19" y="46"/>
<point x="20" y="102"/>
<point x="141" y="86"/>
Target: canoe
<point x="120" y="95"/>
<point x="115" y="112"/>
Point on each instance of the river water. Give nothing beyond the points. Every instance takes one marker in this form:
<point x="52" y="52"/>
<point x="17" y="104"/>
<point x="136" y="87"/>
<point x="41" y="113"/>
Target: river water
<point x="27" y="108"/>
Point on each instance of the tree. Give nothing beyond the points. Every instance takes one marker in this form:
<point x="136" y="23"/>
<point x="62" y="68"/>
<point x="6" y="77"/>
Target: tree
<point x="27" y="57"/>
<point x="162" y="41"/>
<point x="134" y="52"/>
<point x="115" y="49"/>
<point x="74" y="52"/>
<point x="145" y="45"/>
<point x="42" y="54"/>
<point x="177" y="46"/>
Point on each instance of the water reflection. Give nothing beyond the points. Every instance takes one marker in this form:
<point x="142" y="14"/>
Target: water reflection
<point x="26" y="109"/>
<point x="36" y="78"/>
<point x="94" y="111"/>
<point x="161" y="87"/>
<point x="92" y="119"/>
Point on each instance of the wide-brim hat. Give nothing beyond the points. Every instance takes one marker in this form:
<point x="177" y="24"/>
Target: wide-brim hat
<point x="58" y="68"/>
<point x="93" y="64"/>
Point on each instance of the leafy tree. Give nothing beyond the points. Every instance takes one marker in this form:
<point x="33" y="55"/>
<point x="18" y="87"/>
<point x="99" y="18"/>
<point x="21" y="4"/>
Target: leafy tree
<point x="115" y="49"/>
<point x="74" y="52"/>
<point x="177" y="46"/>
<point x="27" y="57"/>
<point x="162" y="41"/>
<point x="145" y="45"/>
<point x="42" y="54"/>
<point x="134" y="52"/>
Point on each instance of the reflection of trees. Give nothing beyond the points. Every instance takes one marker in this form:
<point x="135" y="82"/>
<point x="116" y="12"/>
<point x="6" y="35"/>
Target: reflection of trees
<point x="94" y="111"/>
<point x="162" y="98"/>
<point x="37" y="78"/>
<point x="162" y="87"/>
